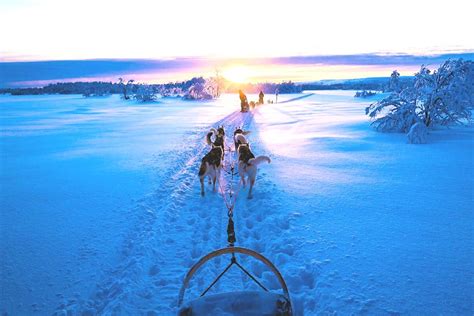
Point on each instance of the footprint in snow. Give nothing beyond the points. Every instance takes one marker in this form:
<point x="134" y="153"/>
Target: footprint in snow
<point x="256" y="234"/>
<point x="249" y="223"/>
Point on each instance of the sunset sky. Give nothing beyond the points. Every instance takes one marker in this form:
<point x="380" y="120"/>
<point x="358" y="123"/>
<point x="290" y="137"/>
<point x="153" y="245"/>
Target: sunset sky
<point x="231" y="35"/>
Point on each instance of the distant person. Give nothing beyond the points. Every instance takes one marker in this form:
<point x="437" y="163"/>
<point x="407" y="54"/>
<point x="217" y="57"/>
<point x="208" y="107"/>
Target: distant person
<point x="243" y="101"/>
<point x="276" y="95"/>
<point x="260" y="97"/>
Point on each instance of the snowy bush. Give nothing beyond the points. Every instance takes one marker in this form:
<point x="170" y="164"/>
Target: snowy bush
<point x="364" y="94"/>
<point x="418" y="134"/>
<point x="201" y="89"/>
<point x="145" y="93"/>
<point x="171" y="91"/>
<point x="443" y="97"/>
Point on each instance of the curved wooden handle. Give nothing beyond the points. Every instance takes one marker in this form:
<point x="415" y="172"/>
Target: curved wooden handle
<point x="232" y="250"/>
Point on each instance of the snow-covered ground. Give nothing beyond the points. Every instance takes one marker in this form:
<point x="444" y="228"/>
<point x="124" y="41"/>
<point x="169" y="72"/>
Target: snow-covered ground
<point x="101" y="212"/>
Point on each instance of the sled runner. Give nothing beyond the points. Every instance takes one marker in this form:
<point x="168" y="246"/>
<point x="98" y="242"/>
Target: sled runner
<point x="244" y="107"/>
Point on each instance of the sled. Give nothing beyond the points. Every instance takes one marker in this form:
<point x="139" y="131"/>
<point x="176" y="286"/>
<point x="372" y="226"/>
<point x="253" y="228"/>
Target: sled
<point x="244" y="108"/>
<point x="236" y="303"/>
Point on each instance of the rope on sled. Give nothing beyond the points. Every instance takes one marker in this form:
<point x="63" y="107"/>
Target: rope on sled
<point x="230" y="203"/>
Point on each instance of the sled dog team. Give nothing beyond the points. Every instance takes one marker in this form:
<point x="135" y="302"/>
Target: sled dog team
<point x="211" y="164"/>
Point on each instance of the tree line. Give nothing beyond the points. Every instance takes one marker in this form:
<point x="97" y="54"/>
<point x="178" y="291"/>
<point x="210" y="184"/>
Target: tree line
<point x="197" y="87"/>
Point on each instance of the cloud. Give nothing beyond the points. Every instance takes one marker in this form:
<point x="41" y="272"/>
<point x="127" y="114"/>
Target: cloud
<point x="373" y="59"/>
<point x="67" y="69"/>
<point x="41" y="72"/>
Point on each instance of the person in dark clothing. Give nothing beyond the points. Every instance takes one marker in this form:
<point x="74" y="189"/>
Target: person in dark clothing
<point x="243" y="102"/>
<point x="260" y="97"/>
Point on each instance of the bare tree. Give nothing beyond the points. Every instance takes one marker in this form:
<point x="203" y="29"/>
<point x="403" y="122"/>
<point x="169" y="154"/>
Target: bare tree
<point x="125" y="87"/>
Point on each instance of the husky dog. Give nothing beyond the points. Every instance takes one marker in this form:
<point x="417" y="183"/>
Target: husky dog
<point x="219" y="137"/>
<point x="248" y="165"/>
<point x="211" y="166"/>
<point x="239" y="138"/>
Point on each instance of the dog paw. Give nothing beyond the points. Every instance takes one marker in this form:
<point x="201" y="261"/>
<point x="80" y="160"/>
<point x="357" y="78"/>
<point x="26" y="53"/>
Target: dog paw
<point x="250" y="196"/>
<point x="202" y="193"/>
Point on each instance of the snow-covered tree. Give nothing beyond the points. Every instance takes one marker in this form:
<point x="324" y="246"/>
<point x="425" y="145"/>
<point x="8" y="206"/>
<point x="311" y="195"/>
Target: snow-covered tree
<point x="397" y="112"/>
<point x="219" y="83"/>
<point x="394" y="83"/>
<point x="443" y="97"/>
<point x="145" y="93"/>
<point x="202" y="89"/>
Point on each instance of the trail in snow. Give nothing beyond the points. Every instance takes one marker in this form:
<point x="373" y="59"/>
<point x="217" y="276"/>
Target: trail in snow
<point x="306" y="95"/>
<point x="176" y="226"/>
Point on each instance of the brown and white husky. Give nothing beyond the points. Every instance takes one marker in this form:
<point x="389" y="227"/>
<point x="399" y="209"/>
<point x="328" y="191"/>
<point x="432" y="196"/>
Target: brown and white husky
<point x="248" y="165"/>
<point x="239" y="138"/>
<point x="211" y="166"/>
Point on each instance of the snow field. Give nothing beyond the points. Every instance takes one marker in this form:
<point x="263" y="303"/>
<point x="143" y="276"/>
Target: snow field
<point x="356" y="221"/>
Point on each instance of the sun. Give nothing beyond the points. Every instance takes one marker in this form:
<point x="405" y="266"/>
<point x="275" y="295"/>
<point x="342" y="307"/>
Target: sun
<point x="238" y="74"/>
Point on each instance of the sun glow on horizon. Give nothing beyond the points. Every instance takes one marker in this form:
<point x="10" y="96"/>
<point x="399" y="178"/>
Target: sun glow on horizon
<point x="237" y="73"/>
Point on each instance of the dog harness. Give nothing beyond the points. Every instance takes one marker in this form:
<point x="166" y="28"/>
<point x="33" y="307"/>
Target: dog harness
<point x="213" y="157"/>
<point x="245" y="154"/>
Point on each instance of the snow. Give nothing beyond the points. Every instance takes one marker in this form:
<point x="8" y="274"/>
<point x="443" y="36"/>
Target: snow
<point x="251" y="303"/>
<point x="101" y="212"/>
<point x="418" y="134"/>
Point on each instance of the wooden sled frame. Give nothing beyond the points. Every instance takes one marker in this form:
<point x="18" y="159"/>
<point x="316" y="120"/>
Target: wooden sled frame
<point x="233" y="250"/>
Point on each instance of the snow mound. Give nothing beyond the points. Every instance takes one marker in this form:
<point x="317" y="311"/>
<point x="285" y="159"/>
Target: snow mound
<point x="418" y="134"/>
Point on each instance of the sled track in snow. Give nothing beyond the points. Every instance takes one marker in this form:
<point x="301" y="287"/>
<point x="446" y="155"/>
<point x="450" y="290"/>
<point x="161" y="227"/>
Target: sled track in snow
<point x="175" y="227"/>
<point x="297" y="98"/>
<point x="171" y="234"/>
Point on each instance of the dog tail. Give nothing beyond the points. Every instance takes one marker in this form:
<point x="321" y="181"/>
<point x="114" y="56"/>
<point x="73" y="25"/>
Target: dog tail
<point x="202" y="169"/>
<point x="241" y="138"/>
<point x="209" y="135"/>
<point x="257" y="161"/>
